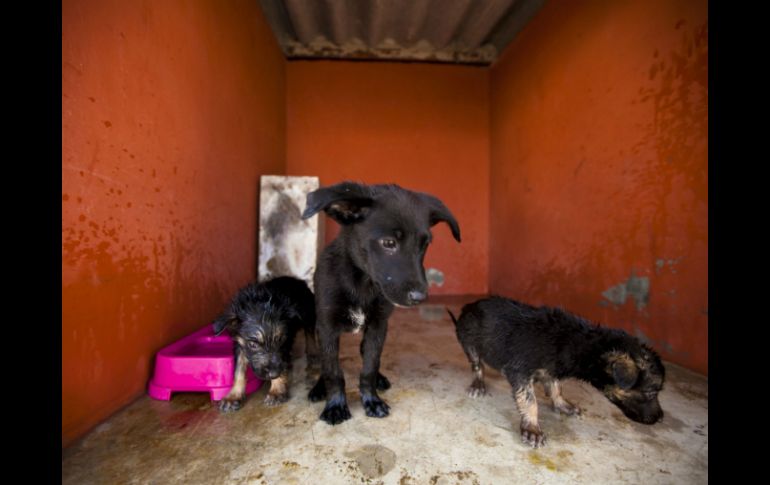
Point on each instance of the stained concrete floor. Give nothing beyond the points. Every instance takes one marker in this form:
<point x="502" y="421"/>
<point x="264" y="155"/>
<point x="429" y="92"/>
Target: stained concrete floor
<point x="434" y="434"/>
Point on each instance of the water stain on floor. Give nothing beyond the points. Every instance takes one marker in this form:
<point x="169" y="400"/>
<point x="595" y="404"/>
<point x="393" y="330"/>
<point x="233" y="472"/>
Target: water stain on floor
<point x="435" y="434"/>
<point x="373" y="460"/>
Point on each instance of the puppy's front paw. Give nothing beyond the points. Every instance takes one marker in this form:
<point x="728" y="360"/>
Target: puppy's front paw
<point x="276" y="399"/>
<point x="532" y="436"/>
<point x="229" y="405"/>
<point x="318" y="392"/>
<point x="375" y="407"/>
<point x="381" y="382"/>
<point x="335" y="413"/>
<point x="477" y="389"/>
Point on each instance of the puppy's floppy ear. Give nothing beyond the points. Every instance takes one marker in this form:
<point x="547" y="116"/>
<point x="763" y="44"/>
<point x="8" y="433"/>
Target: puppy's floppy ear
<point x="623" y="369"/>
<point x="226" y="320"/>
<point x="346" y="202"/>
<point x="440" y="213"/>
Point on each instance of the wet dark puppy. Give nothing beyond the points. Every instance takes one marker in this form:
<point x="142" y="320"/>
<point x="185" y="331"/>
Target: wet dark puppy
<point x="376" y="262"/>
<point x="528" y="344"/>
<point x="263" y="320"/>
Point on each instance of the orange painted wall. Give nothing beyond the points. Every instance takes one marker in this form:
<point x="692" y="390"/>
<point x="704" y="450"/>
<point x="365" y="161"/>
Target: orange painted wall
<point x="599" y="166"/>
<point x="170" y="113"/>
<point x="424" y="127"/>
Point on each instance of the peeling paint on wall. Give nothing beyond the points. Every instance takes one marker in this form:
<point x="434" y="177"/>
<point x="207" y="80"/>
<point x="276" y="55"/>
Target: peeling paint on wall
<point x="661" y="263"/>
<point x="636" y="112"/>
<point x="288" y="245"/>
<point x="160" y="155"/>
<point x="434" y="277"/>
<point x="636" y="287"/>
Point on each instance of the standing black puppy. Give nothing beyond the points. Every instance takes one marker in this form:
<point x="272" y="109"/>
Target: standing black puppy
<point x="541" y="344"/>
<point x="376" y="262"/>
<point x="263" y="319"/>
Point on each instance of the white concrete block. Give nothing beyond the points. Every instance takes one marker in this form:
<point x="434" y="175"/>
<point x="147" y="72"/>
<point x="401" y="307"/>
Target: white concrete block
<point x="288" y="246"/>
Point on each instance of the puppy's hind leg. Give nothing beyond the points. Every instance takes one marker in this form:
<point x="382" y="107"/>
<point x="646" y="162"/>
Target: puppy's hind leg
<point x="477" y="387"/>
<point x="553" y="390"/>
<point x="312" y="354"/>
<point x="234" y="399"/>
<point x="311" y="350"/>
<point x="318" y="392"/>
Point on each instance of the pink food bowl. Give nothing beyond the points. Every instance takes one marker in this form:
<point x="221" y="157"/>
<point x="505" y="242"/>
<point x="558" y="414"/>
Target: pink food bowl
<point x="200" y="362"/>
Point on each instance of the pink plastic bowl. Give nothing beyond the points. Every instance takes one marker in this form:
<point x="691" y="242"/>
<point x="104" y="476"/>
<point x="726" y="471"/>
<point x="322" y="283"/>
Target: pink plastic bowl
<point x="200" y="362"/>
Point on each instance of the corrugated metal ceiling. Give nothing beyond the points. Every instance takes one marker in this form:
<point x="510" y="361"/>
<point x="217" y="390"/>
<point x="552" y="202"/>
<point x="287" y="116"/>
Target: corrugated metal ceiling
<point x="455" y="31"/>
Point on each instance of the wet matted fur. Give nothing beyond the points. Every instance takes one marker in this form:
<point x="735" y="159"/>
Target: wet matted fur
<point x="263" y="319"/>
<point x="530" y="344"/>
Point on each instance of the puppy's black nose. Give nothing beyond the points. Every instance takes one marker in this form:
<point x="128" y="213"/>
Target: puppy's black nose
<point x="417" y="296"/>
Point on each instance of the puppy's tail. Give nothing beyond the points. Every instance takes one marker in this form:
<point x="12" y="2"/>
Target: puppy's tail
<point x="451" y="315"/>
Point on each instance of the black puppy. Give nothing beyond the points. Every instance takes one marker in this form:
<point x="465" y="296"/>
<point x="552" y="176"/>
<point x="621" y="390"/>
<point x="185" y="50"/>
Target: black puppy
<point x="263" y="320"/>
<point x="376" y="262"/>
<point x="528" y="344"/>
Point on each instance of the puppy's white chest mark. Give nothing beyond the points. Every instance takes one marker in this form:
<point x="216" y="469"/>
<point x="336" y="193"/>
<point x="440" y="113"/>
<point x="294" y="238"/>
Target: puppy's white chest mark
<point x="358" y="318"/>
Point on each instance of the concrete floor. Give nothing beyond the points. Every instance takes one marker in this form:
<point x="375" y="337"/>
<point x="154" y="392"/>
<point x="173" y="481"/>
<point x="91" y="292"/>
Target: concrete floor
<point x="434" y="434"/>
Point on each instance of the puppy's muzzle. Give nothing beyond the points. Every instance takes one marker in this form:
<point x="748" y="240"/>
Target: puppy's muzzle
<point x="269" y="373"/>
<point x="269" y="370"/>
<point x="644" y="416"/>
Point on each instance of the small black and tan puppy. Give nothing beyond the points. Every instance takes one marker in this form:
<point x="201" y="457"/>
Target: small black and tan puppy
<point x="374" y="264"/>
<point x="263" y="320"/>
<point x="528" y="344"/>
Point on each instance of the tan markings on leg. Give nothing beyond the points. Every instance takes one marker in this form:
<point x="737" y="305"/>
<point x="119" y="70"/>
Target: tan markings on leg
<point x="477" y="387"/>
<point x="232" y="401"/>
<point x="541" y="375"/>
<point x="478" y="371"/>
<point x="553" y="390"/>
<point x="526" y="403"/>
<point x="239" y="378"/>
<point x="279" y="390"/>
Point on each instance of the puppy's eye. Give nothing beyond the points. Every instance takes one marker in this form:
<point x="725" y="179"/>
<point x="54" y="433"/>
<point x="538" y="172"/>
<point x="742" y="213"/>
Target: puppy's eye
<point x="388" y="243"/>
<point x="252" y="345"/>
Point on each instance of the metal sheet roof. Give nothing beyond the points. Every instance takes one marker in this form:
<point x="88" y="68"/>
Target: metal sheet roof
<point x="454" y="31"/>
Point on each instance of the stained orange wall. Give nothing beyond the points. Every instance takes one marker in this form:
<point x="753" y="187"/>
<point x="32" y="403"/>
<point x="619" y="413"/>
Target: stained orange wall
<point x="599" y="166"/>
<point x="424" y="127"/>
<point x="170" y="113"/>
<point x="578" y="161"/>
